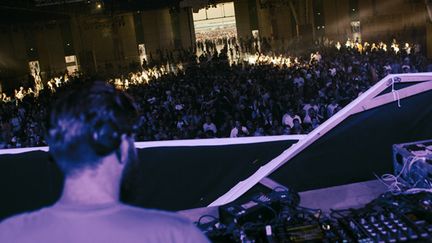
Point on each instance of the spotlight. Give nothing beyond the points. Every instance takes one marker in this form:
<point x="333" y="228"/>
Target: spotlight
<point x="99" y="5"/>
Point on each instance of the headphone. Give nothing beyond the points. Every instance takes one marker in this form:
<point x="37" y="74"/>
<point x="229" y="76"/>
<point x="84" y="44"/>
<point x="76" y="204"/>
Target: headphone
<point x="105" y="138"/>
<point x="105" y="133"/>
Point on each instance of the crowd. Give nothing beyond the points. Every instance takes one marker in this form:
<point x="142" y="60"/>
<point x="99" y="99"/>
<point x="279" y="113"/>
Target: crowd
<point x="263" y="94"/>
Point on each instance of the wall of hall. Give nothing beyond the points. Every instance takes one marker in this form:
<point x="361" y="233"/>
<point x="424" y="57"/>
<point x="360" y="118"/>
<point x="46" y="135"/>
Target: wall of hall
<point x="387" y="18"/>
<point x="158" y="32"/>
<point x="271" y="22"/>
<point x="108" y="43"/>
<point x="264" y="21"/>
<point x="105" y="43"/>
<point x="337" y="19"/>
<point x="101" y="42"/>
<point x="49" y="44"/>
<point x="186" y="26"/>
<point x="127" y="40"/>
<point x="20" y="44"/>
<point x="379" y="20"/>
<point x="13" y="52"/>
<point x="167" y="30"/>
<point x="281" y="19"/>
<point x="274" y="19"/>
<point x="242" y="15"/>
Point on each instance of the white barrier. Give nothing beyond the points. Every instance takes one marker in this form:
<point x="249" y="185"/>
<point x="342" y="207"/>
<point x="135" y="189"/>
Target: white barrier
<point x="372" y="98"/>
<point x="182" y="143"/>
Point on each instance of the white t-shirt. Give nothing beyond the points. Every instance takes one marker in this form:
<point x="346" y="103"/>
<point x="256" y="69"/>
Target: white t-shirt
<point x="235" y="131"/>
<point x="306" y="108"/>
<point x="331" y="108"/>
<point x="210" y="127"/>
<point x="307" y="119"/>
<point x="106" y="223"/>
<point x="288" y="120"/>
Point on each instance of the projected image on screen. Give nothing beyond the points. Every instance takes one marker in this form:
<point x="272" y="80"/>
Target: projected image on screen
<point x="71" y="64"/>
<point x="215" y="22"/>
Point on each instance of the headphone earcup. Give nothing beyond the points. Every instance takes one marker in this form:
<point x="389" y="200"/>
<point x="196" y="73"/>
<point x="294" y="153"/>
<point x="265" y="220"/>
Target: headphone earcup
<point x="105" y="138"/>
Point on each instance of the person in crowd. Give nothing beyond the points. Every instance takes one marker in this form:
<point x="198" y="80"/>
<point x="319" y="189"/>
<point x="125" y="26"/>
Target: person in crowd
<point x="258" y="89"/>
<point x="331" y="108"/>
<point x="238" y="130"/>
<point x="209" y="126"/>
<point x="288" y="119"/>
<point x="297" y="128"/>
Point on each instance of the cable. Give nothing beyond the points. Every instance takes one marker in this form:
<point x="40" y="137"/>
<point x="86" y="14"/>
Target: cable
<point x="418" y="190"/>
<point x="395" y="92"/>
<point x="396" y="186"/>
<point x="205" y="216"/>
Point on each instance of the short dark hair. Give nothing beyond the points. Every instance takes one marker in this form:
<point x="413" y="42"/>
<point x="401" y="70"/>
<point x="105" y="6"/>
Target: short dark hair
<point x="87" y="122"/>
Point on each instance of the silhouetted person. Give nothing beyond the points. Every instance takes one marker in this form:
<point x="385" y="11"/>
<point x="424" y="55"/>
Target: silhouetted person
<point x="90" y="136"/>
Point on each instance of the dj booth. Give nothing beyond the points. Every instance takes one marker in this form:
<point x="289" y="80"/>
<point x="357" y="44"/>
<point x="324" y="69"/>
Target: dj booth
<point x="351" y="147"/>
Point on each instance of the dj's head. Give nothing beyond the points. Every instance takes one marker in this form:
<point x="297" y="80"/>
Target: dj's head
<point x="89" y="123"/>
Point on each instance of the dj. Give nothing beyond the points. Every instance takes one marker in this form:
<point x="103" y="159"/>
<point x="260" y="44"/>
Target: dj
<point x="90" y="136"/>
